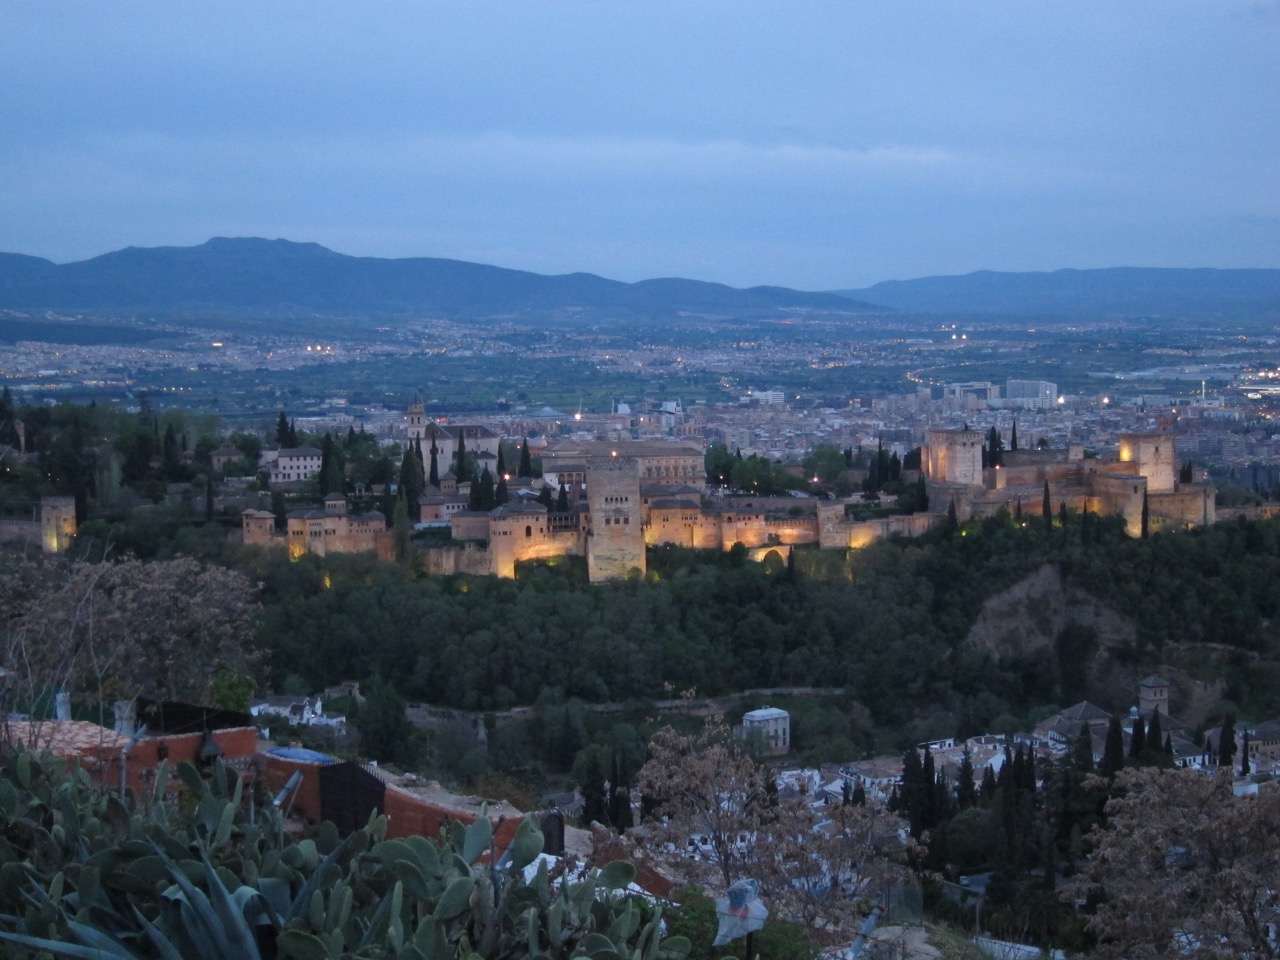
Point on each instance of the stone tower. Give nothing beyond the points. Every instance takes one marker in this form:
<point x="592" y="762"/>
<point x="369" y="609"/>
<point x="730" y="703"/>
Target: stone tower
<point x="258" y="526"/>
<point x="1154" y="456"/>
<point x="57" y="523"/>
<point x="416" y="417"/>
<point x="615" y="539"/>
<point x="954" y="456"/>
<point x="1153" y="696"/>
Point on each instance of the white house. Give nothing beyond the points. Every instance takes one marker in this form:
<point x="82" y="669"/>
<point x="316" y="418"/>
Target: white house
<point x="772" y="724"/>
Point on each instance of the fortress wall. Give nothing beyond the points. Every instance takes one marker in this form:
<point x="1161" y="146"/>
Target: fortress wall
<point x="469" y="526"/>
<point x="860" y="534"/>
<point x="1117" y="493"/>
<point x="455" y="559"/>
<point x="1262" y="511"/>
<point x="1190" y="504"/>
<point x="29" y="530"/>
<point x="524" y="536"/>
<point x="748" y="531"/>
<point x="682" y="526"/>
<point x="1058" y="473"/>
<point x="792" y="530"/>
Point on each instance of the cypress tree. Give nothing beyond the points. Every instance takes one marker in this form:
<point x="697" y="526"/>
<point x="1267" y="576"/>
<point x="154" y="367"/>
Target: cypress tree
<point x="1155" y="740"/>
<point x="912" y="802"/>
<point x="462" y="471"/>
<point x="859" y="795"/>
<point x="526" y="463"/>
<point x="501" y="466"/>
<point x="562" y="500"/>
<point x="1013" y="437"/>
<point x="282" y="431"/>
<point x="1227" y="742"/>
<point x="922" y="494"/>
<point x="1146" y="515"/>
<point x="500" y="494"/>
<point x="331" y="474"/>
<point x="1014" y="780"/>
<point x="169" y="449"/>
<point x="411" y="480"/>
<point x="620" y="793"/>
<point x="1137" y="740"/>
<point x="1010" y="777"/>
<point x="966" y="789"/>
<point x="590" y="773"/>
<point x="400" y="527"/>
<point x="293" y="433"/>
<point x="944" y="801"/>
<point x="1082" y="753"/>
<point x="1017" y="509"/>
<point x="929" y="812"/>
<point x="1113" y="753"/>
<point x="1046" y="507"/>
<point x="544" y="496"/>
<point x="1244" y="755"/>
<point x="988" y="791"/>
<point x="487" y="501"/>
<point x="434" y="478"/>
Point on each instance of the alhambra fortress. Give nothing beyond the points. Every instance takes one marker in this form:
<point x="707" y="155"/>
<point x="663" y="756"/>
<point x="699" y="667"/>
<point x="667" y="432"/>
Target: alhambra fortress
<point x="626" y="495"/>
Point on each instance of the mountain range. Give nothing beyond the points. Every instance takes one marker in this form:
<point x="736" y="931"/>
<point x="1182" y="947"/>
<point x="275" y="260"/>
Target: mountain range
<point x="256" y="277"/>
<point x="1115" y="292"/>
<point x="253" y="277"/>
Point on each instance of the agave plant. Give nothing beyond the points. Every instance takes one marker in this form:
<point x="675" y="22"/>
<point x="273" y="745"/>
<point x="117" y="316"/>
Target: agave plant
<point x="83" y="874"/>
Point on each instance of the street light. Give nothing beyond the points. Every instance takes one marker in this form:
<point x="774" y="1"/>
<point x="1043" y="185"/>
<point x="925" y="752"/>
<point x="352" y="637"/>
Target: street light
<point x="290" y="786"/>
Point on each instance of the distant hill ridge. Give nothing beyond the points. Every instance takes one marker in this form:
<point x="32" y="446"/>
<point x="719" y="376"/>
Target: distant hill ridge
<point x="253" y="276"/>
<point x="1118" y="291"/>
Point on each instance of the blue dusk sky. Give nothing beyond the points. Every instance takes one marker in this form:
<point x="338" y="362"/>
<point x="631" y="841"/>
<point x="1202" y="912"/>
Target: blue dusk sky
<point x="817" y="145"/>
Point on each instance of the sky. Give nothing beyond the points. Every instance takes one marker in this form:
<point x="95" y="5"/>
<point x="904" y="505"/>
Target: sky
<point x="810" y="144"/>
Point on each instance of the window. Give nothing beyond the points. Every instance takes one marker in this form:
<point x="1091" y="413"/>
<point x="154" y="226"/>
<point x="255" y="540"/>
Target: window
<point x="528" y="531"/>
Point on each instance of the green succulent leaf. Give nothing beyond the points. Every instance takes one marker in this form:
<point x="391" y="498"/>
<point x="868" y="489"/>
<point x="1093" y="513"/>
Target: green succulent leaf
<point x="455" y="899"/>
<point x="527" y="845"/>
<point x="302" y="945"/>
<point x="617" y="875"/>
<point x="476" y="839"/>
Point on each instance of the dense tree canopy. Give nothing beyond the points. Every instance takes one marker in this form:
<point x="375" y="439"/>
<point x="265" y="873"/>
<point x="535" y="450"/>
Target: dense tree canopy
<point x="888" y="622"/>
<point x="119" y="630"/>
<point x="1184" y="868"/>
